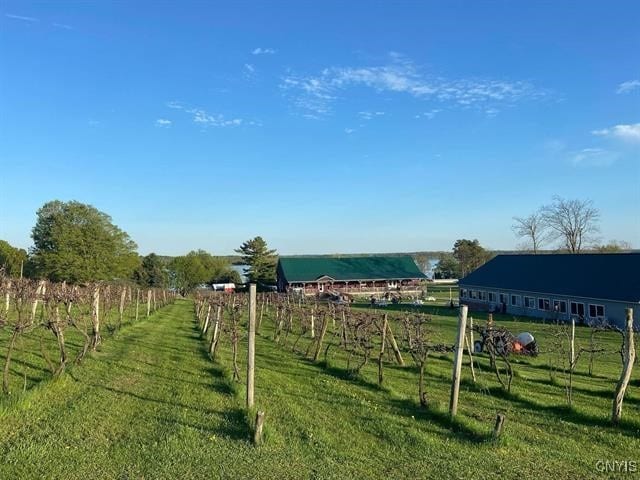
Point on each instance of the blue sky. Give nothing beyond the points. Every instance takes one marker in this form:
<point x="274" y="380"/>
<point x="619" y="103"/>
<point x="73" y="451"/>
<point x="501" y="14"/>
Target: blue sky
<point x="324" y="127"/>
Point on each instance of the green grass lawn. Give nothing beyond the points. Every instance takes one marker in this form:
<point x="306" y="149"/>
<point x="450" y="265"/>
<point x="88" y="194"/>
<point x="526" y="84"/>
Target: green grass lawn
<point x="150" y="404"/>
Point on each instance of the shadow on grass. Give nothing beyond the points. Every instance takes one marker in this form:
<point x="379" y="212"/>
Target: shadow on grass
<point x="567" y="413"/>
<point x="456" y="425"/>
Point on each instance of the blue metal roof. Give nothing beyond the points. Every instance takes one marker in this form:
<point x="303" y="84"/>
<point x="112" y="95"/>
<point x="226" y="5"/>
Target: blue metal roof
<point x="606" y="276"/>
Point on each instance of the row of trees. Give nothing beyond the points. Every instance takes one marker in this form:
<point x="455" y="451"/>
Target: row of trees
<point x="569" y="225"/>
<point x="77" y="243"/>
<point x="565" y="225"/>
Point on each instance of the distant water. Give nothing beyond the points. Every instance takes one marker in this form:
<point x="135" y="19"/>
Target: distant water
<point x="241" y="270"/>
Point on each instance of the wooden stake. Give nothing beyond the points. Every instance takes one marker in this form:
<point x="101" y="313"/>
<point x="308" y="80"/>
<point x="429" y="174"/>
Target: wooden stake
<point x="257" y="434"/>
<point x="381" y="354"/>
<point x="148" y="303"/>
<point x="251" y="351"/>
<point x="137" y="302"/>
<point x="473" y="371"/>
<point x="629" y="357"/>
<point x="394" y="345"/>
<point x="123" y="298"/>
<point x="205" y="327"/>
<point x="325" y="325"/>
<point x="497" y="429"/>
<point x="457" y="363"/>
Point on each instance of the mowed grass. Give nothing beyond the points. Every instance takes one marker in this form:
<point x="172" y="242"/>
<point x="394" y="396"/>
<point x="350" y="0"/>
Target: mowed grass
<point x="150" y="404"/>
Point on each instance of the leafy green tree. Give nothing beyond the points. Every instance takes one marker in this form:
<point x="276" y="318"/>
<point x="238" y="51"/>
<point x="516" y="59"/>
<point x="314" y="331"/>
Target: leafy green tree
<point x="76" y="242"/>
<point x="470" y="255"/>
<point x="447" y="267"/>
<point x="261" y="260"/>
<point x="199" y="267"/>
<point x="12" y="259"/>
<point x="152" y="272"/>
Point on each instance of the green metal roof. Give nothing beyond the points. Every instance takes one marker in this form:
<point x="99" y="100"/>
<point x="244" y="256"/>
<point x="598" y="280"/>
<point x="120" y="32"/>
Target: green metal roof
<point x="310" y="269"/>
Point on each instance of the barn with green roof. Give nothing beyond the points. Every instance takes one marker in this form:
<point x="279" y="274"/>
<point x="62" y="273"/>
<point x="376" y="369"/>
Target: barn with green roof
<point x="348" y="274"/>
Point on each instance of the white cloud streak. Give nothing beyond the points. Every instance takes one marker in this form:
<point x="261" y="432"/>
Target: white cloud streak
<point x="205" y="119"/>
<point x="430" y="114"/>
<point x="22" y="18"/>
<point x="163" y="122"/>
<point x="63" y="26"/>
<point x="317" y="93"/>
<point x="628" y="86"/>
<point x="263" y="51"/>
<point x="627" y="133"/>
<point x="369" y="115"/>
<point x="594" y="157"/>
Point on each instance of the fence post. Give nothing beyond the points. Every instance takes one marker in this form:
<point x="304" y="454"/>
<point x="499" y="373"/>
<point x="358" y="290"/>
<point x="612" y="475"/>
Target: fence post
<point x="629" y="357"/>
<point x="457" y="362"/>
<point x="251" y="351"/>
<point x="148" y="303"/>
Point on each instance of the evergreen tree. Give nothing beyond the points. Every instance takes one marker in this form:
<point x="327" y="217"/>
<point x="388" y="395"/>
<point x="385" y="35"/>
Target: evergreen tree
<point x="261" y="260"/>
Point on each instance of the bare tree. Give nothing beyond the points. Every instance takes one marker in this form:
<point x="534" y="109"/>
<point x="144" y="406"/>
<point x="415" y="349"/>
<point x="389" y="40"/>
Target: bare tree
<point x="532" y="228"/>
<point x="573" y="222"/>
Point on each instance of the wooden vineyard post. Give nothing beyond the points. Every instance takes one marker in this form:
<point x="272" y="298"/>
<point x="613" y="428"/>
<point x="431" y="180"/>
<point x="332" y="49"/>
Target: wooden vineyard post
<point x="40" y="291"/>
<point x="381" y="355"/>
<point x="148" y="303"/>
<point x="473" y="371"/>
<point x="7" y="298"/>
<point x="394" y="346"/>
<point x="137" y="302"/>
<point x="497" y="429"/>
<point x="123" y="298"/>
<point x="325" y="325"/>
<point x="205" y="327"/>
<point x="251" y="350"/>
<point x="457" y="362"/>
<point x="216" y="333"/>
<point x="629" y="357"/>
<point x="313" y="324"/>
<point x="257" y="434"/>
<point x="471" y="339"/>
<point x="95" y="317"/>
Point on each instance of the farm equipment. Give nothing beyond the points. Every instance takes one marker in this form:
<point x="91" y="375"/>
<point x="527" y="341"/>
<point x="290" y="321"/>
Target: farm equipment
<point x="505" y="343"/>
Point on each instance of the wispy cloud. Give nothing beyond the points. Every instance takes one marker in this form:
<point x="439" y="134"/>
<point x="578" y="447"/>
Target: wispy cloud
<point x="628" y="133"/>
<point x="63" y="26"/>
<point x="430" y="114"/>
<point x="317" y="93"/>
<point x="593" y="157"/>
<point x="205" y="119"/>
<point x="249" y="71"/>
<point x="21" y="17"/>
<point x="349" y="131"/>
<point x="163" y="123"/>
<point x="263" y="51"/>
<point x="369" y="115"/>
<point x="628" y="86"/>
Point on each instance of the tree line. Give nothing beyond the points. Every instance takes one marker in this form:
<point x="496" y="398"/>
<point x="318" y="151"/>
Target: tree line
<point x="76" y="243"/>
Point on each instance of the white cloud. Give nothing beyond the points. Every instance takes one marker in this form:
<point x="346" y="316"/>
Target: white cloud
<point x="593" y="157"/>
<point x="629" y="133"/>
<point x="263" y="51"/>
<point x="430" y="114"/>
<point x="21" y="17"/>
<point x="628" y="86"/>
<point x="369" y="115"/>
<point x="62" y="25"/>
<point x="349" y="131"/>
<point x="163" y="122"/>
<point x="205" y="119"/>
<point x="249" y="68"/>
<point x="317" y="93"/>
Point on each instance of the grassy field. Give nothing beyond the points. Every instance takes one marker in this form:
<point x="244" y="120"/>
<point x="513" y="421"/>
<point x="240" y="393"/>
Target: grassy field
<point x="150" y="404"/>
